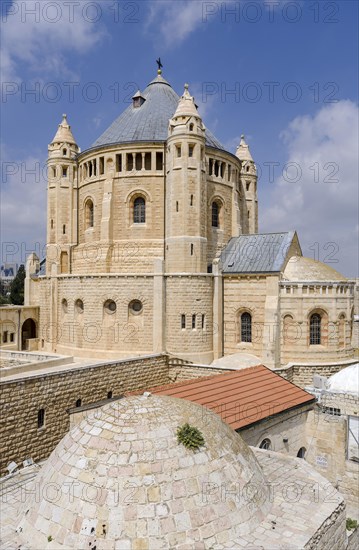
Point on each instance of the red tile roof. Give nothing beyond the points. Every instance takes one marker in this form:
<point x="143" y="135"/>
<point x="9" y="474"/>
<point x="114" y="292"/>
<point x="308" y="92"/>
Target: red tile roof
<point x="241" y="397"/>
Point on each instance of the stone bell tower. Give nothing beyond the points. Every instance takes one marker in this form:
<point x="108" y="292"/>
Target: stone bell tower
<point x="186" y="214"/>
<point x="248" y="180"/>
<point x="61" y="199"/>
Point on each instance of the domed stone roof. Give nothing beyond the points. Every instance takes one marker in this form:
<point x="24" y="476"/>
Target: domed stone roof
<point x="300" y="268"/>
<point x="121" y="480"/>
<point x="149" y="122"/>
<point x="346" y="380"/>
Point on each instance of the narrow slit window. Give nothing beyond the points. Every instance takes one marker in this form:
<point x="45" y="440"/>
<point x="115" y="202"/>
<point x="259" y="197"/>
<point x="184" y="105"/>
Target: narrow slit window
<point x="159" y="161"/>
<point x="148" y="161"/>
<point x="118" y="163"/>
<point x="129" y="162"/>
<point x="102" y="165"/>
<point x="183" y="321"/>
<point x="215" y="214"/>
<point x="193" y="321"/>
<point x="41" y="418"/>
<point x="138" y="161"/>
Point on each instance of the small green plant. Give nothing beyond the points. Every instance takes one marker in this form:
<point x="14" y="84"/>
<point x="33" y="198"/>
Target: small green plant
<point x="351" y="524"/>
<point x="49" y="538"/>
<point x="190" y="436"/>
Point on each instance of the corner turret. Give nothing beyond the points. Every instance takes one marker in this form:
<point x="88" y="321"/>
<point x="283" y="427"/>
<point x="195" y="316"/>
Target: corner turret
<point x="186" y="239"/>
<point x="62" y="197"/>
<point x="248" y="179"/>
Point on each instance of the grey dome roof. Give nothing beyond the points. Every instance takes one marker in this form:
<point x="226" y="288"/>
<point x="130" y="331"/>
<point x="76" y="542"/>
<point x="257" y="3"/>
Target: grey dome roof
<point x="150" y="121"/>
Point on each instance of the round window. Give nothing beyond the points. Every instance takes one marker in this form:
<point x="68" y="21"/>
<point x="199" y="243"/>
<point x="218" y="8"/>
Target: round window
<point x="110" y="306"/>
<point x="135" y="307"/>
<point x="79" y="306"/>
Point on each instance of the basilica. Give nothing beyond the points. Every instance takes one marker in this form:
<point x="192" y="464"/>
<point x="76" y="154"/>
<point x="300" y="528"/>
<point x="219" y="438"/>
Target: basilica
<point x="153" y="247"/>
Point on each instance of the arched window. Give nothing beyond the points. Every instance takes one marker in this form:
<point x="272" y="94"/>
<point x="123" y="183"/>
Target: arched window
<point x="135" y="307"/>
<point x="78" y="403"/>
<point x="79" y="306"/>
<point x="301" y="452"/>
<point x="265" y="444"/>
<point x="215" y="214"/>
<point x="110" y="307"/>
<point x="89" y="213"/>
<point x="139" y="210"/>
<point x="315" y="329"/>
<point x="246" y="327"/>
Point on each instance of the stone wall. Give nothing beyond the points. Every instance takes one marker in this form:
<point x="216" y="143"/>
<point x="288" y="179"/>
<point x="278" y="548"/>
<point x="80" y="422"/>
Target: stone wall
<point x="332" y="533"/>
<point x="302" y="375"/>
<point x="21" y="400"/>
<point x="289" y="425"/>
<point x="180" y="373"/>
<point x="327" y="438"/>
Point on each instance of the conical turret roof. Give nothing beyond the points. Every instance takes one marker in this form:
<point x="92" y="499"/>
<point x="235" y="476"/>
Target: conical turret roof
<point x="186" y="105"/>
<point x="243" y="152"/>
<point x="64" y="134"/>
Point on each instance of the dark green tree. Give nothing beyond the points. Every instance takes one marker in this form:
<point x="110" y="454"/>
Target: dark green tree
<point x="17" y="287"/>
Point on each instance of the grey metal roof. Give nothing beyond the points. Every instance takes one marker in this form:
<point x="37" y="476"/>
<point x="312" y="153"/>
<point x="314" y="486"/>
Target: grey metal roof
<point x="150" y="121"/>
<point x="261" y="253"/>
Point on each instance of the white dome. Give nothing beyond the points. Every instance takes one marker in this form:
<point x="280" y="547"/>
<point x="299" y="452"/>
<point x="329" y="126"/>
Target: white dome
<point x="300" y="268"/>
<point x="346" y="380"/>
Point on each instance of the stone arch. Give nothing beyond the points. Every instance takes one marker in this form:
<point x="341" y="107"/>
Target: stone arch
<point x="265" y="444"/>
<point x="28" y="332"/>
<point x="301" y="453"/>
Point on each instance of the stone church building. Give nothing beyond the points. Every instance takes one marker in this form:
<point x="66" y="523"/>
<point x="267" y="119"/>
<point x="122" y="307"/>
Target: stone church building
<point x="153" y="246"/>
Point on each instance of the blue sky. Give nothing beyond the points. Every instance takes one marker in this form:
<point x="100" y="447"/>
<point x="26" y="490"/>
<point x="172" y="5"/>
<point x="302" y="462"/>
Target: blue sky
<point x="283" y="73"/>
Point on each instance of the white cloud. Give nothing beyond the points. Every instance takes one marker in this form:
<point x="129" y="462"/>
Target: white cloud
<point x="23" y="207"/>
<point x="322" y="200"/>
<point x="174" y="20"/>
<point x="39" y="36"/>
